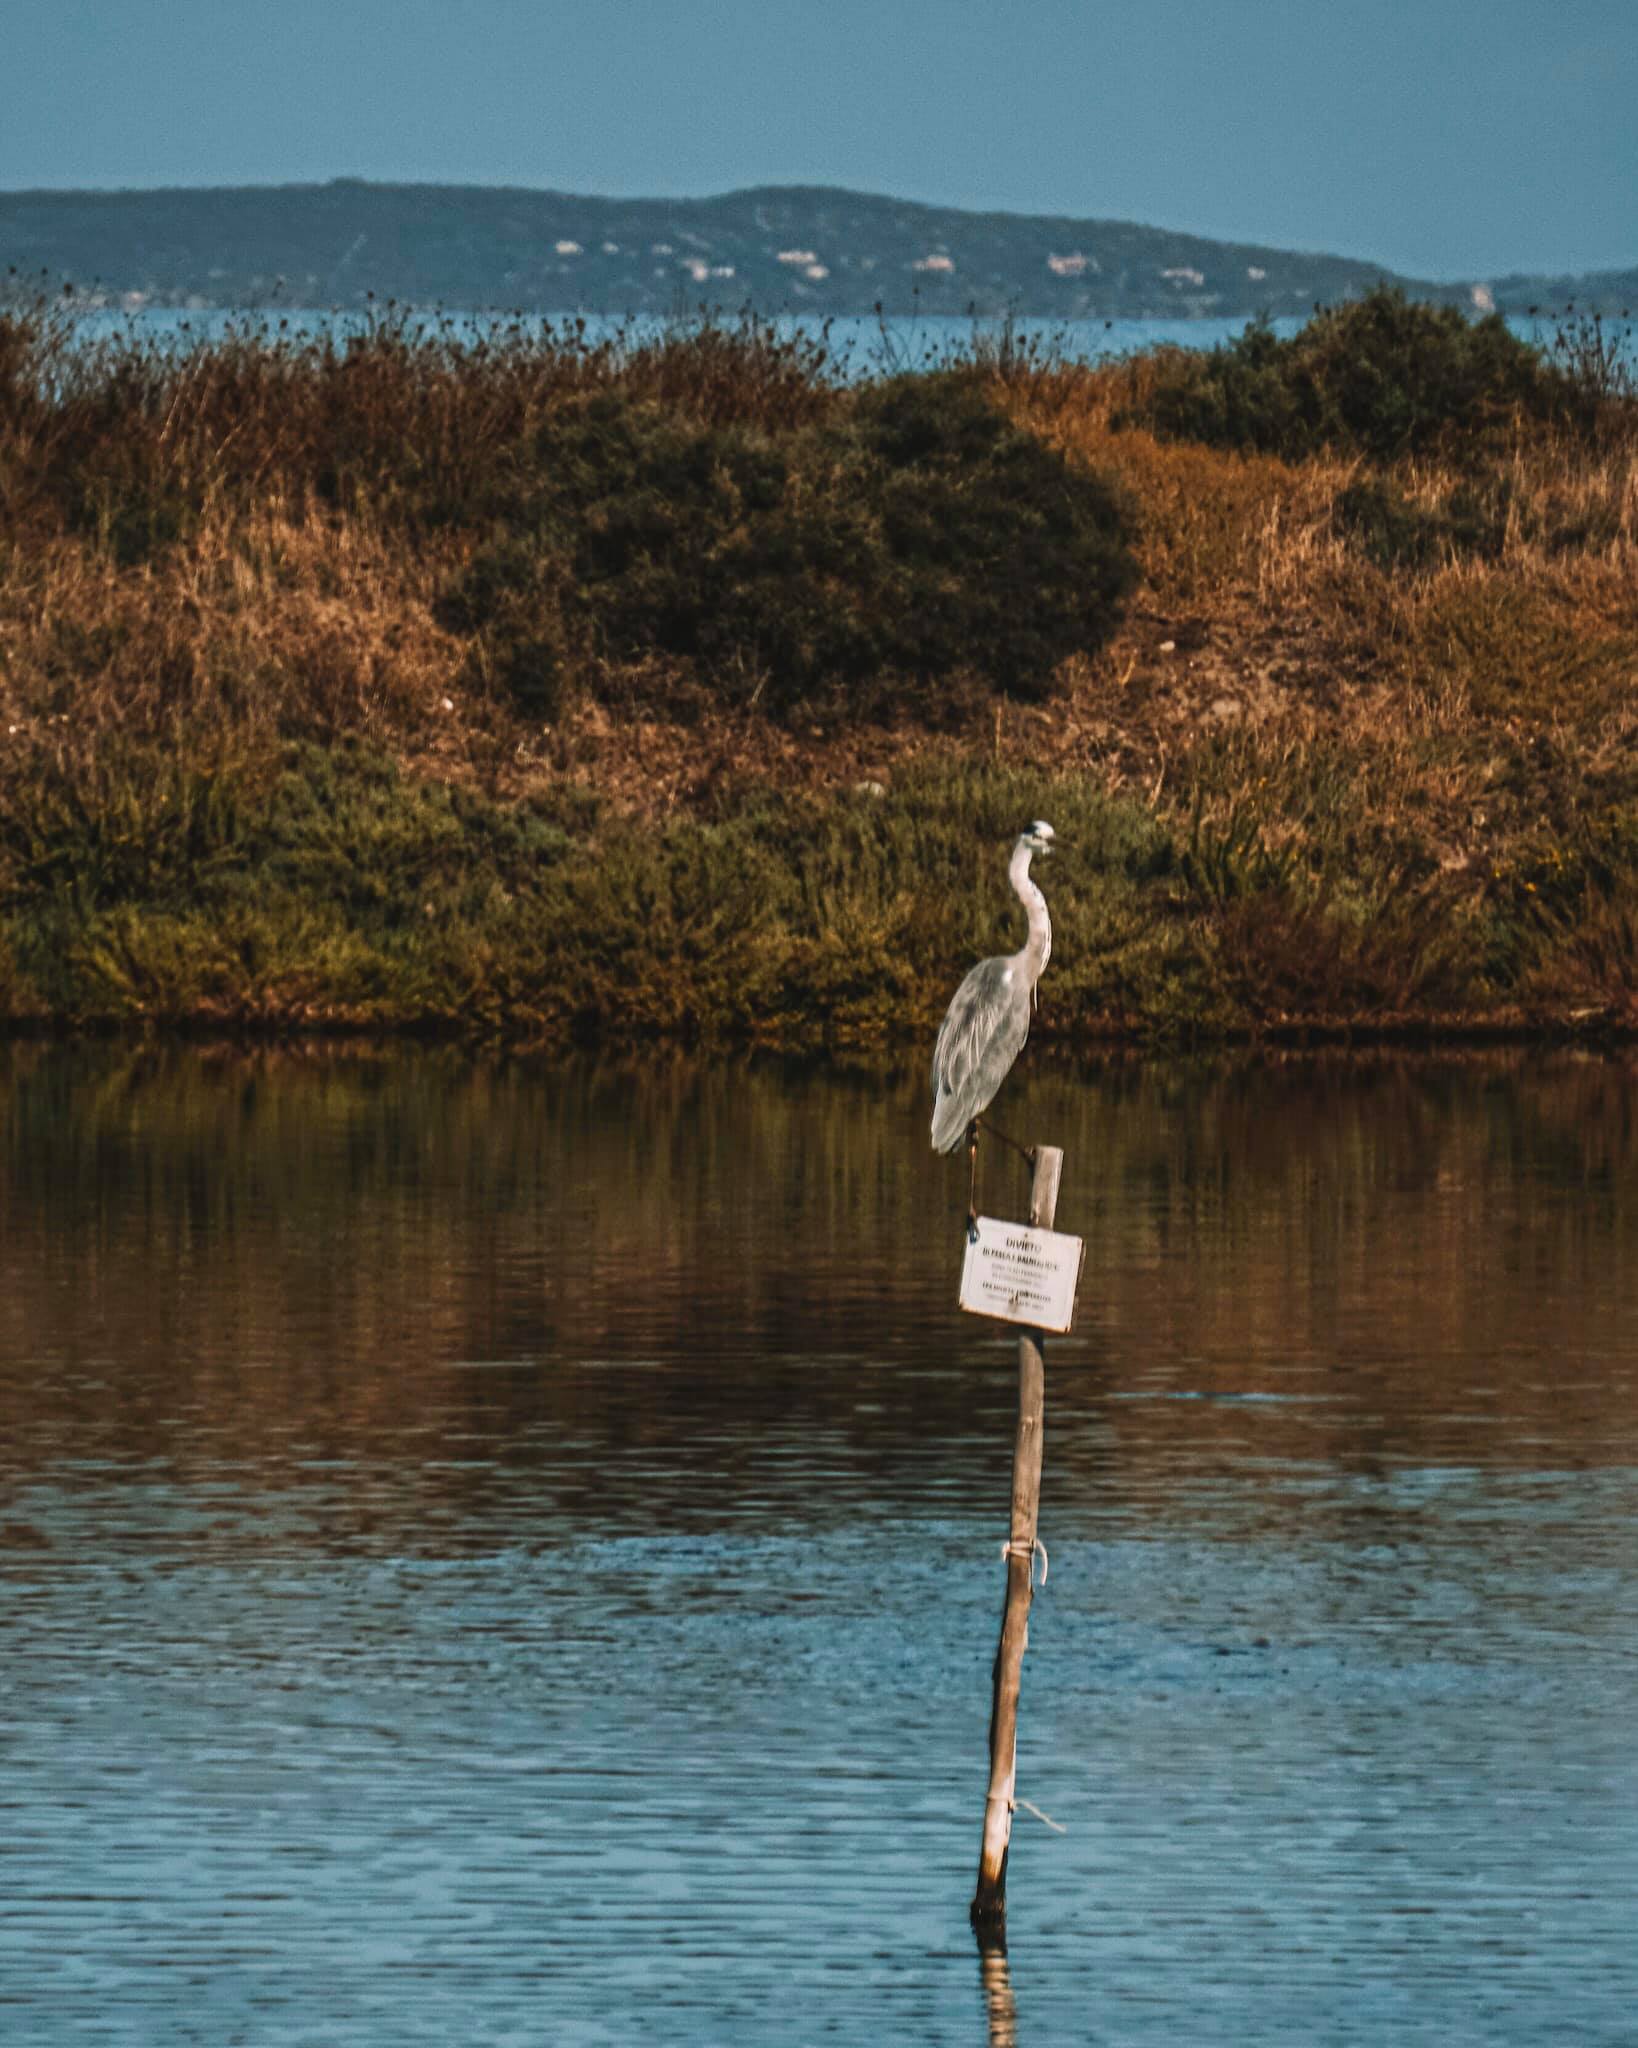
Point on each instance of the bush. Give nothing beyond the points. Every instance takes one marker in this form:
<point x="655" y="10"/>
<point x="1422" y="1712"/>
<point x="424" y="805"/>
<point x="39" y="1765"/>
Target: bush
<point x="911" y="540"/>
<point x="1382" y="377"/>
<point x="120" y="823"/>
<point x="707" y="514"/>
<point x="1003" y="558"/>
<point x="1396" y="533"/>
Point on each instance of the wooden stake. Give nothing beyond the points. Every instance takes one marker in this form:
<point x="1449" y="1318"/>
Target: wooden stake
<point x="990" y="1900"/>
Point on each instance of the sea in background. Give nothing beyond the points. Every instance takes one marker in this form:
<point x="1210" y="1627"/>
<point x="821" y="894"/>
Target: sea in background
<point x="499" y="1551"/>
<point x="859" y="347"/>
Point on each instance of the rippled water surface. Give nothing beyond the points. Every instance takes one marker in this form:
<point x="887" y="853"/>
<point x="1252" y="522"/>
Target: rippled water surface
<point x="509" y="1554"/>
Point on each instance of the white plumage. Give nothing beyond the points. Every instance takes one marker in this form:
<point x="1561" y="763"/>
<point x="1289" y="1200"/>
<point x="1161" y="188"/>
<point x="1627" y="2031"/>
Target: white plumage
<point x="987" y="1022"/>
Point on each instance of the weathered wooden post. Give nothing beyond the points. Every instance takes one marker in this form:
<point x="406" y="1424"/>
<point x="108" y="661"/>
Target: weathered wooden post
<point x="989" y="1905"/>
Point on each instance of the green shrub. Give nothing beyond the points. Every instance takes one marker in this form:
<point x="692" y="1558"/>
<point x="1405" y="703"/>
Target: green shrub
<point x="910" y="541"/>
<point x="1228" y="859"/>
<point x="1396" y="533"/>
<point x="1004" y="558"/>
<point x="1382" y="376"/>
<point x="510" y="600"/>
<point x="126" y="823"/>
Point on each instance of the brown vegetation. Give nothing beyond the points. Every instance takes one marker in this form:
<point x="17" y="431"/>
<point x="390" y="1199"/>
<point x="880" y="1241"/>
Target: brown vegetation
<point x="1362" y="749"/>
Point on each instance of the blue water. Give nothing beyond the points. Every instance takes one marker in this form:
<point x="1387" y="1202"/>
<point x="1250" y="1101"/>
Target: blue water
<point x="500" y="1553"/>
<point x="860" y="347"/>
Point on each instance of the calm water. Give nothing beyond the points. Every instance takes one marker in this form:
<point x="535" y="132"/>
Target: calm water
<point x="859" y="346"/>
<point x="509" y="1554"/>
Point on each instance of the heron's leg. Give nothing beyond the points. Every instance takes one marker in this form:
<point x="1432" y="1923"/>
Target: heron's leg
<point x="972" y="1181"/>
<point x="1025" y="1152"/>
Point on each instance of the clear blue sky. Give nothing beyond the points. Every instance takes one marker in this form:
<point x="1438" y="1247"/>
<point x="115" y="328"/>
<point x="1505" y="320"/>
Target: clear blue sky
<point x="1444" y="138"/>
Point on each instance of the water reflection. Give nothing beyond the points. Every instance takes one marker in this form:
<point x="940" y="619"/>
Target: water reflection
<point x="281" y="1262"/>
<point x="1000" y="2006"/>
<point x="491" y="1549"/>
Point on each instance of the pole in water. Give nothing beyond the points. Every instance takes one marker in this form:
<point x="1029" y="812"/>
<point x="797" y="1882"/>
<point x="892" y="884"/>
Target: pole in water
<point x="989" y="1905"/>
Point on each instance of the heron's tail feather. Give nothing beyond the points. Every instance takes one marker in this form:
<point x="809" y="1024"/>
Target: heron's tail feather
<point x="949" y="1124"/>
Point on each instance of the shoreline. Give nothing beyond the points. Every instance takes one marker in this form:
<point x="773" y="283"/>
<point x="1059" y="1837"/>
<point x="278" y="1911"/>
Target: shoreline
<point x="1436" y="1036"/>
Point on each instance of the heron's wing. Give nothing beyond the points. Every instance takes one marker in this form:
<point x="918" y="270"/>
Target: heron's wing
<point x="982" y="1034"/>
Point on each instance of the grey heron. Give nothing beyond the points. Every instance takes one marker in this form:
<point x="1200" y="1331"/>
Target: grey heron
<point x="987" y="1022"/>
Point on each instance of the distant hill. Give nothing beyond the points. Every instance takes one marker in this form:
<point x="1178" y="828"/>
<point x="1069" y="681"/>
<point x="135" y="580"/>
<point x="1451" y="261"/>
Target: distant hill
<point x="808" y="249"/>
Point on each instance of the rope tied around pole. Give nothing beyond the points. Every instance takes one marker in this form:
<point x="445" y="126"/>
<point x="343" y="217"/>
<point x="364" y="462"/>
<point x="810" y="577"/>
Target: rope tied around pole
<point x="1029" y="1806"/>
<point x="1011" y="1549"/>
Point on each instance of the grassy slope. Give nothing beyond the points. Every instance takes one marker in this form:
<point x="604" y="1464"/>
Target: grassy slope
<point x="248" y="778"/>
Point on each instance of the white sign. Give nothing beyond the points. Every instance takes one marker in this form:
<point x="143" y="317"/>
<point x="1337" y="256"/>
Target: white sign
<point x="1022" y="1274"/>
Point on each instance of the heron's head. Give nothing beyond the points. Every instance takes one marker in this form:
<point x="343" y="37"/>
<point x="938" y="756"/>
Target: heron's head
<point x="1039" y="837"/>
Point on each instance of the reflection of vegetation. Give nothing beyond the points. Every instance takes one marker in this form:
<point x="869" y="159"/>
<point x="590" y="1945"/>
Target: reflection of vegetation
<point x="306" y="1253"/>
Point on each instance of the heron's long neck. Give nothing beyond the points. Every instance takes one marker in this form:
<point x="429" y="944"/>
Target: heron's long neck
<point x="1038" y="947"/>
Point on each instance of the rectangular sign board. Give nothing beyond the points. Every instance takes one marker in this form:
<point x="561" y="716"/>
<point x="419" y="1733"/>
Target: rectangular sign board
<point x="1022" y="1274"/>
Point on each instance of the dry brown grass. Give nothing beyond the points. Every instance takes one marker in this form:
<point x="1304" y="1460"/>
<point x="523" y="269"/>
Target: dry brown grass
<point x="1274" y="618"/>
<point x="1211" y="520"/>
<point x="269" y="627"/>
<point x="1354" y="790"/>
